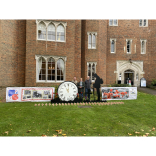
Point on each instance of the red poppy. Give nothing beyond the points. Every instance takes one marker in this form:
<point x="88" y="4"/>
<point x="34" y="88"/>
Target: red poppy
<point x="81" y="92"/>
<point x="14" y="96"/>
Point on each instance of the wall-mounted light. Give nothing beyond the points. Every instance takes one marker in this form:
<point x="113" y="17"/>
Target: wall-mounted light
<point x="130" y="60"/>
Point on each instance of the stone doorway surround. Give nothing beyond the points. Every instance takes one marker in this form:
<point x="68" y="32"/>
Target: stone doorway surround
<point x="136" y="66"/>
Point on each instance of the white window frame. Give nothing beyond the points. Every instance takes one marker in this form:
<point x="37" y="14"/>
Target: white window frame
<point x="143" y="23"/>
<point x="141" y="40"/>
<point x="91" y="63"/>
<point x="56" y="24"/>
<point x="130" y="46"/>
<point x="56" y="58"/>
<point x="114" y="45"/>
<point x="113" y="22"/>
<point x="92" y="33"/>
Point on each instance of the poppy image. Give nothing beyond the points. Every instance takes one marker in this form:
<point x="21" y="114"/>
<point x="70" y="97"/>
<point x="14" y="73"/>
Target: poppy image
<point x="14" y="96"/>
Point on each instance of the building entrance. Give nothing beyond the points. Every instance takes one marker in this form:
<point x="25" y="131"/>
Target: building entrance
<point x="129" y="75"/>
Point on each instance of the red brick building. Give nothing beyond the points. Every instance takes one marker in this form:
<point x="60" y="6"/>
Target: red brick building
<point x="37" y="53"/>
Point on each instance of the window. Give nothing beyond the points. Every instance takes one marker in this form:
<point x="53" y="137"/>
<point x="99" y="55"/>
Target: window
<point x="60" y="33"/>
<point x="143" y="46"/>
<point x="128" y="45"/>
<point x="51" y="31"/>
<point x="92" y="40"/>
<point x="42" y="31"/>
<point x="42" y="69"/>
<point x="120" y="76"/>
<point x="50" y="68"/>
<point x="112" y="45"/>
<point x="143" y="22"/>
<point x="91" y="69"/>
<point x="113" y="22"/>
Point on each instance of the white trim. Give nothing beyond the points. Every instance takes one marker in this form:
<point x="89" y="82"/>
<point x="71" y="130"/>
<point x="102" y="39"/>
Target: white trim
<point x="92" y="33"/>
<point x="56" y="58"/>
<point x="144" y="45"/>
<point x="91" y="63"/>
<point x="143" y="23"/>
<point x="113" y="22"/>
<point x="55" y="23"/>
<point x="114" y="45"/>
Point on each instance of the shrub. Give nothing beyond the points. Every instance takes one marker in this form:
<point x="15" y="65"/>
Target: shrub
<point x="153" y="83"/>
<point x="119" y="85"/>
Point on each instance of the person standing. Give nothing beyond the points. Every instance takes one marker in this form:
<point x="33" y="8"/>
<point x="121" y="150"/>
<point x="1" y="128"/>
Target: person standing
<point x="97" y="85"/>
<point x="87" y="88"/>
<point x="81" y="86"/>
<point x="74" y="80"/>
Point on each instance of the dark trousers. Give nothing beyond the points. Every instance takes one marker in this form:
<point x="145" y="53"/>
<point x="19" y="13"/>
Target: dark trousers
<point x="98" y="93"/>
<point x="87" y="91"/>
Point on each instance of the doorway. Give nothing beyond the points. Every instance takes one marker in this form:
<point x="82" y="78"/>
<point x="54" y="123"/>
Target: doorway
<point x="129" y="75"/>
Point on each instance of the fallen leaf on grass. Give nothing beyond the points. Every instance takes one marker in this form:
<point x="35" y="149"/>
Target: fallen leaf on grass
<point x="7" y="132"/>
<point x="147" y="134"/>
<point x="129" y="134"/>
<point x="64" y="134"/>
<point x="153" y="129"/>
<point x="84" y="134"/>
<point x="137" y="132"/>
<point x="28" y="131"/>
<point x="55" y="135"/>
<point x="44" y="135"/>
<point x="142" y="130"/>
<point x="47" y="129"/>
<point x="144" y="135"/>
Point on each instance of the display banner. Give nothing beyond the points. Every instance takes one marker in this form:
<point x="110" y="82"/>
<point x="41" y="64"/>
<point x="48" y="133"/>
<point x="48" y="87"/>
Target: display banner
<point x="13" y="94"/>
<point x="23" y="94"/>
<point x="119" y="93"/>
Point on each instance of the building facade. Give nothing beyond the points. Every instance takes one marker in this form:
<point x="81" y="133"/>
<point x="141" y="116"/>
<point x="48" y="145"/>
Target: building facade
<point x="37" y="53"/>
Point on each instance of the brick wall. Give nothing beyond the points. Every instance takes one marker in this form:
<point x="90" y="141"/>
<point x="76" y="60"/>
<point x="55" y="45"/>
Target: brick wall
<point x="12" y="52"/>
<point x="129" y="29"/>
<point x="71" y="49"/>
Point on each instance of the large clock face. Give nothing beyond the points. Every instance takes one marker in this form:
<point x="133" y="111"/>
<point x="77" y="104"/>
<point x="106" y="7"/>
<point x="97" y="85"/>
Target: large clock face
<point x="67" y="91"/>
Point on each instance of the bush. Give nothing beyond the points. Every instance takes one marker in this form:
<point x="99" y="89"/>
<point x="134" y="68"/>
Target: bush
<point x="153" y="83"/>
<point x="119" y="85"/>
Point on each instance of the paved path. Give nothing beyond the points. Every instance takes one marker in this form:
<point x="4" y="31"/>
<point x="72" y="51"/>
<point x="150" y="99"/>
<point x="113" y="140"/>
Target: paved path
<point x="147" y="90"/>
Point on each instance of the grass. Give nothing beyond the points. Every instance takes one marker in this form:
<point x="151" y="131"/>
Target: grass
<point x="108" y="120"/>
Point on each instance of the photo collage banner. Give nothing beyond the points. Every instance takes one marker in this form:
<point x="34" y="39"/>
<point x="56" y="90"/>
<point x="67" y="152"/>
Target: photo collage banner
<point x="23" y="94"/>
<point x="119" y="93"/>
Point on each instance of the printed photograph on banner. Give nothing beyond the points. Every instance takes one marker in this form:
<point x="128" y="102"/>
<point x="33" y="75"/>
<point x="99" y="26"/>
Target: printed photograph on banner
<point x="37" y="94"/>
<point x="27" y="92"/>
<point x="118" y="93"/>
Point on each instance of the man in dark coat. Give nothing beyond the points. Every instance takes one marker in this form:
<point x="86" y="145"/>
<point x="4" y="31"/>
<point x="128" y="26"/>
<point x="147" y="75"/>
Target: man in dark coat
<point x="81" y="86"/>
<point x="97" y="84"/>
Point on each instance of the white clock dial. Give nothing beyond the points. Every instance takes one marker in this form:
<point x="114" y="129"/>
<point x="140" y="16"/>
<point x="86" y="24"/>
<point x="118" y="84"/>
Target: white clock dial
<point x="67" y="91"/>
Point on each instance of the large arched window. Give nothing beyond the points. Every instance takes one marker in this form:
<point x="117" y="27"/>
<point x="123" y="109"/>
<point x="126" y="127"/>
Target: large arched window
<point x="41" y="69"/>
<point x="51" y="69"/>
<point x="51" y="32"/>
<point x="42" y="31"/>
<point x="60" y="33"/>
<point x="60" y="70"/>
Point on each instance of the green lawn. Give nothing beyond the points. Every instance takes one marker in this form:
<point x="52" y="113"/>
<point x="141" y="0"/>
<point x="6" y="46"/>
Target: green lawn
<point x="108" y="120"/>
